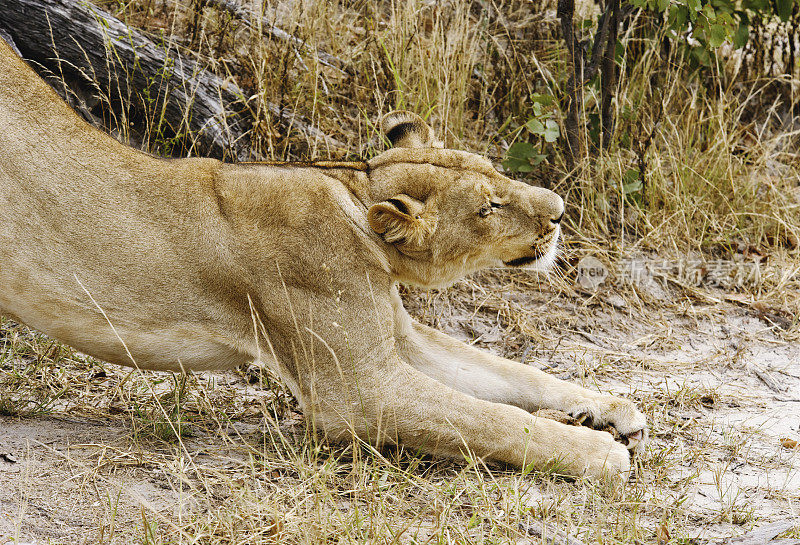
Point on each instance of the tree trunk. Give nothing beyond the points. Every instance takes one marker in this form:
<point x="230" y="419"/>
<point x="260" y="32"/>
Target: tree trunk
<point x="608" y="78"/>
<point x="573" y="93"/>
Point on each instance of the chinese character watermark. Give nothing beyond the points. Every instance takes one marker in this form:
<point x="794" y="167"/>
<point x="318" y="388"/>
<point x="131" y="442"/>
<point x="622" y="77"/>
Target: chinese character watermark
<point x="721" y="273"/>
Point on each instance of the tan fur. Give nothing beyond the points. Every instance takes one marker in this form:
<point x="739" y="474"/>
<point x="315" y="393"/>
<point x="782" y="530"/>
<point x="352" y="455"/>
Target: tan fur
<point x="196" y="264"/>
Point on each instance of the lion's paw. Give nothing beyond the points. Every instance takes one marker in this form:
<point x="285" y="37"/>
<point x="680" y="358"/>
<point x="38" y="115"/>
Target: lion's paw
<point x="605" y="458"/>
<point x="628" y="423"/>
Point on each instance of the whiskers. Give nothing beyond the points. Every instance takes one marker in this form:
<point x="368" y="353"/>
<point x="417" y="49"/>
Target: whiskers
<point x="551" y="267"/>
<point x="557" y="275"/>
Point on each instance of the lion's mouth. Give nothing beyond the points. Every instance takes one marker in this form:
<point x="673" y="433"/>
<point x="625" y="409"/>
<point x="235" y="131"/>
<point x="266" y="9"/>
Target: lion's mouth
<point x="521" y="261"/>
<point x="541" y="258"/>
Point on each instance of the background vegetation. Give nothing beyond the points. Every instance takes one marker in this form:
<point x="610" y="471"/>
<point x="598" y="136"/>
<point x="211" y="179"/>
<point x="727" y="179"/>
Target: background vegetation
<point x="701" y="154"/>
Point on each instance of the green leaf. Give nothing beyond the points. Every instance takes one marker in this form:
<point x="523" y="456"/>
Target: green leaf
<point x="552" y="132"/>
<point x="619" y="52"/>
<point x="702" y="56"/>
<point x="741" y="36"/>
<point x="631" y="188"/>
<point x="535" y="126"/>
<point x="677" y="18"/>
<point x="784" y="9"/>
<point x="518" y="157"/>
<point x="662" y="5"/>
<point x="544" y="100"/>
<point x="594" y="127"/>
<point x="709" y="13"/>
<point x="724" y="6"/>
<point x="756" y="5"/>
<point x="631" y="182"/>
<point x="537" y="159"/>
<point x="725" y="19"/>
<point x="631" y="176"/>
<point x="717" y="36"/>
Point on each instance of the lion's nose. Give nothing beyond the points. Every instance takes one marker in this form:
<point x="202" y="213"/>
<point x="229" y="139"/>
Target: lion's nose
<point x="545" y="206"/>
<point x="556" y="209"/>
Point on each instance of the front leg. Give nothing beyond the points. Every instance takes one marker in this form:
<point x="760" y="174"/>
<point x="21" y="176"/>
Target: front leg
<point x="392" y="403"/>
<point x="501" y="380"/>
<point x="350" y="380"/>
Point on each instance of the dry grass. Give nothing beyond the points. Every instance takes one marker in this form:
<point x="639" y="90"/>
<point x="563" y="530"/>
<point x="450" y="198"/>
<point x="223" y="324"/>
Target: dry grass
<point x="225" y="458"/>
<point x="138" y="457"/>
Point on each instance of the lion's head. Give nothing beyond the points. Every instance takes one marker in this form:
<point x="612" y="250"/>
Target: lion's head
<point x="449" y="213"/>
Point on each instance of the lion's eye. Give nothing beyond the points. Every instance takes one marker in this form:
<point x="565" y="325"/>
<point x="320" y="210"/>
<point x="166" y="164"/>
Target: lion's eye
<point x="489" y="208"/>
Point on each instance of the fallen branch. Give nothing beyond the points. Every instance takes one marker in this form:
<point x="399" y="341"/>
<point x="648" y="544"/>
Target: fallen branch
<point x="83" y="42"/>
<point x="7" y="37"/>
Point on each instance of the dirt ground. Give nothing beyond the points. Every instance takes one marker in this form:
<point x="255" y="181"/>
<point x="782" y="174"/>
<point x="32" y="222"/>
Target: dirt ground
<point x="717" y="376"/>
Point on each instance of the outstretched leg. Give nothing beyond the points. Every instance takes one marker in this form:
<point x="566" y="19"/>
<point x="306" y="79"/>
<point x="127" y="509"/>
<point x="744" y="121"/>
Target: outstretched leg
<point x="401" y="405"/>
<point x="500" y="380"/>
<point x="352" y="380"/>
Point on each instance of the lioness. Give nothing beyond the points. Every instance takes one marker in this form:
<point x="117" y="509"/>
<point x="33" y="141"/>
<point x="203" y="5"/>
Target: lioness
<point x="195" y="264"/>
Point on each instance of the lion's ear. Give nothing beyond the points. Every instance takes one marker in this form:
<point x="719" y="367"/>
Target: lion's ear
<point x="402" y="221"/>
<point x="408" y="130"/>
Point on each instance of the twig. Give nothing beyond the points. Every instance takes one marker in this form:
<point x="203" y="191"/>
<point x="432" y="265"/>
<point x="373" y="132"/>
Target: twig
<point x="767" y="378"/>
<point x="549" y="534"/>
<point x="766" y="534"/>
<point x="601" y="39"/>
<point x="603" y="51"/>
<point x="641" y="153"/>
<point x="249" y="19"/>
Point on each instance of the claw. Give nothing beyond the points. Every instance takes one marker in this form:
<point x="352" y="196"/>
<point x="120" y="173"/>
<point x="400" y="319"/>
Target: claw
<point x="635" y="440"/>
<point x="584" y="419"/>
